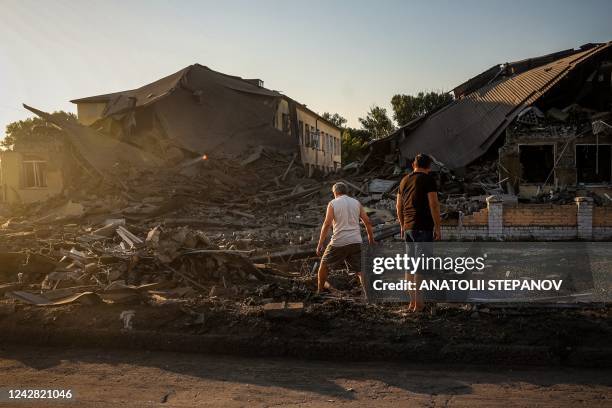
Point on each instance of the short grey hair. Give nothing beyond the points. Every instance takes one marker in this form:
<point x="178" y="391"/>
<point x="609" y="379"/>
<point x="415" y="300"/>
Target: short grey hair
<point x="340" y="188"/>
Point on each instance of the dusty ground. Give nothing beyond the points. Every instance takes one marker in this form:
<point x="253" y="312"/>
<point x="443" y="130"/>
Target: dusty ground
<point x="102" y="378"/>
<point x="560" y="330"/>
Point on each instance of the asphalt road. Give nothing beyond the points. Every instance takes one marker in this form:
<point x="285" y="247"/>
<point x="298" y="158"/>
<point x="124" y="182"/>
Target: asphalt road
<point x="101" y="378"/>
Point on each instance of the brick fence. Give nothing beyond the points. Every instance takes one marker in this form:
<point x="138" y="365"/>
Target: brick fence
<point x="545" y="222"/>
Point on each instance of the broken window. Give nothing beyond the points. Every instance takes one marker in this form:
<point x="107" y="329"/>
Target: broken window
<point x="34" y="173"/>
<point x="301" y="130"/>
<point x="537" y="163"/>
<point x="286" y="123"/>
<point x="593" y="164"/>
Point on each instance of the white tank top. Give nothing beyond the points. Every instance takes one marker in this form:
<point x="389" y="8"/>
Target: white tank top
<point x="346" y="221"/>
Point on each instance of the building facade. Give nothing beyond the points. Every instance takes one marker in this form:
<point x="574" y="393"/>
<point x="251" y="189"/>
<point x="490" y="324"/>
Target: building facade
<point x="31" y="172"/>
<point x="319" y="141"/>
<point x="201" y="111"/>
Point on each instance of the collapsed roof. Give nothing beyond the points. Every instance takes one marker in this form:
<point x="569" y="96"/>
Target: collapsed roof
<point x="201" y="110"/>
<point x="101" y="152"/>
<point x="485" y="105"/>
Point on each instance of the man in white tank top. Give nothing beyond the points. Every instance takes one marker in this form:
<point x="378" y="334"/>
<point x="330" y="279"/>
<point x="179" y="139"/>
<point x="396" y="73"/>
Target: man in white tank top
<point x="343" y="215"/>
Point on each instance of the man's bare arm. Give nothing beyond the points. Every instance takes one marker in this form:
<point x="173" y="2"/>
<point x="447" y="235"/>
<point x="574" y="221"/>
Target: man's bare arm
<point x="327" y="223"/>
<point x="400" y="212"/>
<point x="434" y="207"/>
<point x="368" y="225"/>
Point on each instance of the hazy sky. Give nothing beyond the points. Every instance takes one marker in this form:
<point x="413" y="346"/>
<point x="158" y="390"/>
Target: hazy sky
<point x="338" y="56"/>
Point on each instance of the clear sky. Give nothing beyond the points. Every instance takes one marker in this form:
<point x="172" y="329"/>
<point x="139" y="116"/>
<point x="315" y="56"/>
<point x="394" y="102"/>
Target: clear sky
<point x="337" y="56"/>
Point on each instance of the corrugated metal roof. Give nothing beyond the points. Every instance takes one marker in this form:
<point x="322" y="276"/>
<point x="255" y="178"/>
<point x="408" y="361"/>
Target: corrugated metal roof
<point x="462" y="131"/>
<point x="515" y="67"/>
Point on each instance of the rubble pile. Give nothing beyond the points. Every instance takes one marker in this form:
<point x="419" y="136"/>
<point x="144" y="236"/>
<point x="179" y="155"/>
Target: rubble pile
<point x="204" y="223"/>
<point x="207" y="227"/>
<point x="466" y="193"/>
<point x="244" y="228"/>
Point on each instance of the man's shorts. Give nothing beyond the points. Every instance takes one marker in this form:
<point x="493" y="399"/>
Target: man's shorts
<point x="350" y="254"/>
<point x="419" y="243"/>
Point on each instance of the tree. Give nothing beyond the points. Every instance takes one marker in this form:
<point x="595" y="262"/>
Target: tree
<point x="335" y="119"/>
<point x="353" y="143"/>
<point x="409" y="107"/>
<point x="377" y="122"/>
<point x="32" y="128"/>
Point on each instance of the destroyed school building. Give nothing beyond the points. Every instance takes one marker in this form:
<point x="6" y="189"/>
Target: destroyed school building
<point x="193" y="113"/>
<point x="201" y="111"/>
<point x="542" y="127"/>
<point x="523" y="151"/>
<point x="140" y="216"/>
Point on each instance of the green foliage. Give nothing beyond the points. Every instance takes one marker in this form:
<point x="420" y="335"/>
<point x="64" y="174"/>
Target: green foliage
<point x="409" y="107"/>
<point x="353" y="140"/>
<point x="353" y="143"/>
<point x="336" y="119"/>
<point x="377" y="122"/>
<point x="31" y="128"/>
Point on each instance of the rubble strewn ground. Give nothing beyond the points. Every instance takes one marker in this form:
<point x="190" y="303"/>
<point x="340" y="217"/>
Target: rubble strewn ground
<point x="226" y="247"/>
<point x="213" y="226"/>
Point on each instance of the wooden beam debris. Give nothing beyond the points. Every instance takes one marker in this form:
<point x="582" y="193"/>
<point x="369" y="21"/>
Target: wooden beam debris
<point x="132" y="240"/>
<point x="256" y="155"/>
<point x="292" y="196"/>
<point x="289" y="167"/>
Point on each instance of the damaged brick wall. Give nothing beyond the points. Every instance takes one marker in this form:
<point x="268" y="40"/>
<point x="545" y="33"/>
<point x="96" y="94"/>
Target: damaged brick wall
<point x="602" y="217"/>
<point x="545" y="222"/>
<point x="563" y="141"/>
<point x="540" y="214"/>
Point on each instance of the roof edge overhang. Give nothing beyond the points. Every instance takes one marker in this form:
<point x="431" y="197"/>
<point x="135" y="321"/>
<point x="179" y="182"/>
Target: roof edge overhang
<point x="489" y="75"/>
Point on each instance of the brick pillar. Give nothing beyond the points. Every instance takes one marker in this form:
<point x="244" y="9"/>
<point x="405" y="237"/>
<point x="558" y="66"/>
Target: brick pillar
<point x="496" y="217"/>
<point x="584" y="217"/>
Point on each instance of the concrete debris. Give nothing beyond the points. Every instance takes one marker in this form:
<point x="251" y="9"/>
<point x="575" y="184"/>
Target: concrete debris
<point x="204" y="231"/>
<point x="381" y="186"/>
<point x="530" y="116"/>
<point x="283" y="310"/>
<point x="130" y="239"/>
<point x="243" y="229"/>
<point x="69" y="210"/>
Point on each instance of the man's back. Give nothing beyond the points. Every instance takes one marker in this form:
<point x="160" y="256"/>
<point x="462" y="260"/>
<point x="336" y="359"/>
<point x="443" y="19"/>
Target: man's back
<point x="346" y="221"/>
<point x="415" y="203"/>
